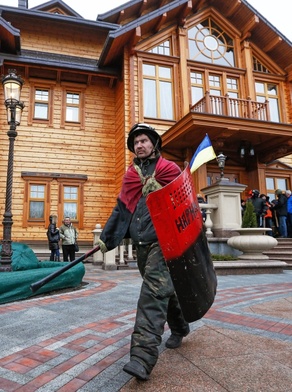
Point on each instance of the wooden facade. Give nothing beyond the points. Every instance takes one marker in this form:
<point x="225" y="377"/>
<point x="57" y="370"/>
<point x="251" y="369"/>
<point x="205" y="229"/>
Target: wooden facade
<point x="222" y="70"/>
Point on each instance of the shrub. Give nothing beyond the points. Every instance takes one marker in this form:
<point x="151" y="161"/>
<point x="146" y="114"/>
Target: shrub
<point x="249" y="218"/>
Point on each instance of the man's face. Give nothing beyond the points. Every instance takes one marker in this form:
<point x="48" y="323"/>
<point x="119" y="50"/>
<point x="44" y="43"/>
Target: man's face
<point x="67" y="221"/>
<point x="143" y="146"/>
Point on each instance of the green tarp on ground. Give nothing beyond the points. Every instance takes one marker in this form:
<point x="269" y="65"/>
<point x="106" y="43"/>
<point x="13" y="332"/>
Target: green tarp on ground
<point x="27" y="269"/>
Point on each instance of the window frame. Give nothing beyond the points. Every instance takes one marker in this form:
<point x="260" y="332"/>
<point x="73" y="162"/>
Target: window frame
<point x="71" y="88"/>
<point x="79" y="222"/>
<point x="34" y="86"/>
<point x="224" y="74"/>
<point x="161" y="61"/>
<point x="60" y="181"/>
<point x="31" y="180"/>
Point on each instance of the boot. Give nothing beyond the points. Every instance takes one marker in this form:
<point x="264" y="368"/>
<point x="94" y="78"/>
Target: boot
<point x="174" y="341"/>
<point x="134" y="368"/>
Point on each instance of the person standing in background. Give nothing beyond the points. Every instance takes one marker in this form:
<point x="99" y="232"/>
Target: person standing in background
<point x="289" y="213"/>
<point x="53" y="235"/>
<point x="281" y="212"/>
<point x="69" y="235"/>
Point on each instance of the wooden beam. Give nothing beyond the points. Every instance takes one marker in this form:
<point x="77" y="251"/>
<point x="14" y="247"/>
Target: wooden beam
<point x="160" y="22"/>
<point x="186" y="10"/>
<point x="233" y="8"/>
<point x="143" y="7"/>
<point x="162" y="3"/>
<point x="274" y="42"/>
<point x="136" y="36"/>
<point x="121" y="17"/>
<point x="250" y="25"/>
<point x="201" y="4"/>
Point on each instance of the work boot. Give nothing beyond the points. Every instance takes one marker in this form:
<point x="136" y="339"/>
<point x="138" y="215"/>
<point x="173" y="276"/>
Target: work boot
<point x="174" y="341"/>
<point x="135" y="369"/>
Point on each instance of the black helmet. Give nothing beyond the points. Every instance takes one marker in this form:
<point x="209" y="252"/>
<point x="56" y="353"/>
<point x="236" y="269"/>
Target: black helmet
<point x="256" y="193"/>
<point x="139" y="129"/>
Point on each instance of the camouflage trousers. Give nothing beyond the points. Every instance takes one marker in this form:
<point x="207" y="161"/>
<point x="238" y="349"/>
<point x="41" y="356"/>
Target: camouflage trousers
<point x="157" y="305"/>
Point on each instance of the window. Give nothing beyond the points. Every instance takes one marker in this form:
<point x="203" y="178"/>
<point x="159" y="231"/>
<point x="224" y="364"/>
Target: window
<point x="45" y="193"/>
<point x="197" y="86"/>
<point x="158" y="92"/>
<point x="218" y="85"/>
<point x="41" y="104"/>
<point x="233" y="94"/>
<point x="70" y="202"/>
<point x="71" y="198"/>
<point x="208" y="43"/>
<point x="215" y="85"/>
<point x="36" y="202"/>
<point x="36" y="206"/>
<point x="258" y="66"/>
<point x="273" y="183"/>
<point x="269" y="92"/>
<point x="72" y="107"/>
<point x="162" y="48"/>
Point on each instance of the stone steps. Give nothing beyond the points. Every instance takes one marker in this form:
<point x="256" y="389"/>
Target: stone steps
<point x="282" y="252"/>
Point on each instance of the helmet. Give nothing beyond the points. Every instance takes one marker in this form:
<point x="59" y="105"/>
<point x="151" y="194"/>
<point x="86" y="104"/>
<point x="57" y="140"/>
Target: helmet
<point x="145" y="129"/>
<point x="256" y="193"/>
<point x="278" y="192"/>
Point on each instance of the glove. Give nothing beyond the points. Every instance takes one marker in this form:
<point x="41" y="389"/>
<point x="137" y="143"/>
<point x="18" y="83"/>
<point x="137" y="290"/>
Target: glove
<point x="102" y="246"/>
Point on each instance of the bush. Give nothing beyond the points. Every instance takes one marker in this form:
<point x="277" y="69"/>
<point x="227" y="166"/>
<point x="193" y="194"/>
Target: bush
<point x="249" y="218"/>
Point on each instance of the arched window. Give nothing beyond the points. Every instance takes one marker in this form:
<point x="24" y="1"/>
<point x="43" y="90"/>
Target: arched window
<point x="208" y="43"/>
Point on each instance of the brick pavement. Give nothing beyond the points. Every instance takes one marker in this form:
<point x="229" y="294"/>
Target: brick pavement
<point x="79" y="341"/>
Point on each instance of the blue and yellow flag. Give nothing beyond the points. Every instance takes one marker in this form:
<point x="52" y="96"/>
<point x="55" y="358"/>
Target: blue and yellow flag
<point x="203" y="154"/>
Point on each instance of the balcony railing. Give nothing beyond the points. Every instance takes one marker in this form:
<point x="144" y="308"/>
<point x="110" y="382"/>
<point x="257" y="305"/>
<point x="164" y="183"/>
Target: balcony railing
<point x="232" y="107"/>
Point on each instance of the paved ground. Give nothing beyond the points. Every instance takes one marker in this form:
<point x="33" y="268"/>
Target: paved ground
<point x="79" y="341"/>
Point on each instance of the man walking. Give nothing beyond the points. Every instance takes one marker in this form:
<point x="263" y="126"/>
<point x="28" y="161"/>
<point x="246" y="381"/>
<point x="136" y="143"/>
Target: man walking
<point x="158" y="302"/>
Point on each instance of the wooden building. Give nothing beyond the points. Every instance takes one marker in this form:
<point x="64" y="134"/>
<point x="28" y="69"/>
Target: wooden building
<point x="187" y="67"/>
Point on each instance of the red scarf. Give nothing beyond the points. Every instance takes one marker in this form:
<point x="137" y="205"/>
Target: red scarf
<point x="165" y="172"/>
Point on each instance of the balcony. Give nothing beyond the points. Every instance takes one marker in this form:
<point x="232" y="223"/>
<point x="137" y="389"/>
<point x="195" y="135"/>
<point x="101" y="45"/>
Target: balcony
<point x="232" y="107"/>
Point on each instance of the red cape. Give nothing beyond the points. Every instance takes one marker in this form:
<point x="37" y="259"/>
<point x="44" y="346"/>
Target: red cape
<point x="165" y="172"/>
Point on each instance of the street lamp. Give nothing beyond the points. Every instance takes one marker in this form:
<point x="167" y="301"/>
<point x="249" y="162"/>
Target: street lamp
<point x="221" y="158"/>
<point x="12" y="85"/>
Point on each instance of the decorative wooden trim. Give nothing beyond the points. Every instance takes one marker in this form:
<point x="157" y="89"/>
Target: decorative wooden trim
<point x="54" y="176"/>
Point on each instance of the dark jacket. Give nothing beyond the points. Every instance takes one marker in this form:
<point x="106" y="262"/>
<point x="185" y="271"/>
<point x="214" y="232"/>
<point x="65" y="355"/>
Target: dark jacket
<point x="53" y="235"/>
<point x="260" y="206"/>
<point x="281" y="206"/>
<point x="116" y="228"/>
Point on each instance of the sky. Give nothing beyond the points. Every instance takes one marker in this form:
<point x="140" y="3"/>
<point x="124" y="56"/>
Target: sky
<point x="277" y="12"/>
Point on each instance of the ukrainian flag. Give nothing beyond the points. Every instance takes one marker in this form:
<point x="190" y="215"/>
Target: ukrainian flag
<point x="203" y="154"/>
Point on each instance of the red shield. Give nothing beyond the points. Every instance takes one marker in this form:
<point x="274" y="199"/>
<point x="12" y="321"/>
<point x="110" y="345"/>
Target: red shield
<point x="177" y="219"/>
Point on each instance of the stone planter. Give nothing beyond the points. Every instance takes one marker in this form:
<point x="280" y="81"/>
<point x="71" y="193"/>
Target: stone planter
<point x="252" y="242"/>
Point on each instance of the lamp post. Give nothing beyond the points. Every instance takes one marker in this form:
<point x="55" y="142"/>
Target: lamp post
<point x="221" y="158"/>
<point x="12" y="85"/>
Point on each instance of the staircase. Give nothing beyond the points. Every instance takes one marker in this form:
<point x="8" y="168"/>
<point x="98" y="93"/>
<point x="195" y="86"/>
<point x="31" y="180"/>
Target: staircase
<point x="282" y="252"/>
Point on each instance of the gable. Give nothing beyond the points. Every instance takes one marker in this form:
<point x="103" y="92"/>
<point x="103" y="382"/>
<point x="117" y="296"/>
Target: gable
<point x="57" y="7"/>
<point x="138" y="19"/>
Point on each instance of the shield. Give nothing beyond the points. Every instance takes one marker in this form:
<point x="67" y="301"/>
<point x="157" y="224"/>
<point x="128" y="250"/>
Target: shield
<point x="178" y="222"/>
